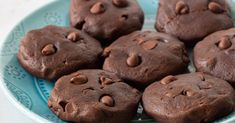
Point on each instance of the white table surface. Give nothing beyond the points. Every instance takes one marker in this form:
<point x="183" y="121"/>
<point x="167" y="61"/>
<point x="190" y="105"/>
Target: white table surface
<point x="11" y="11"/>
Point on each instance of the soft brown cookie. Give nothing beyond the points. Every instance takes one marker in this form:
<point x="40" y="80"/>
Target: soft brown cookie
<point x="215" y="55"/>
<point x="106" y="20"/>
<point x="94" y="96"/>
<point x="192" y="20"/>
<point x="52" y="52"/>
<point x="144" y="57"/>
<point x="188" y="98"/>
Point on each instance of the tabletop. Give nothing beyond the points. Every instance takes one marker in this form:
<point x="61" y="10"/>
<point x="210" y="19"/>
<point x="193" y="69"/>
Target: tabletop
<point x="11" y="11"/>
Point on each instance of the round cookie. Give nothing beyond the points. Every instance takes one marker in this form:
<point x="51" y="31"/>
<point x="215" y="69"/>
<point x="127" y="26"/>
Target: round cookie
<point x="52" y="52"/>
<point x="192" y="20"/>
<point x="94" y="96"/>
<point x="141" y="58"/>
<point x="106" y="20"/>
<point x="215" y="55"/>
<point x="188" y="98"/>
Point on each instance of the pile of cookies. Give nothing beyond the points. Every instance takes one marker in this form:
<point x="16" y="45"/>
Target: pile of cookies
<point x="104" y="66"/>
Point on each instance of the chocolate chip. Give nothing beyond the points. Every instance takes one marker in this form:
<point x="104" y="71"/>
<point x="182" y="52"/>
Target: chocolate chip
<point x="97" y="8"/>
<point x="120" y="3"/>
<point x="149" y="45"/>
<point x="105" y="81"/>
<point x="168" y="79"/>
<point x="106" y="52"/>
<point x="133" y="60"/>
<point x="107" y="100"/>
<point x="140" y="40"/>
<point x="79" y="79"/>
<point x="169" y="95"/>
<point x="74" y="36"/>
<point x="187" y="93"/>
<point x="48" y="50"/>
<point x="215" y="7"/>
<point x="50" y="105"/>
<point x="210" y="63"/>
<point x="181" y="8"/>
<point x="124" y="17"/>
<point x="224" y="43"/>
<point x="162" y="40"/>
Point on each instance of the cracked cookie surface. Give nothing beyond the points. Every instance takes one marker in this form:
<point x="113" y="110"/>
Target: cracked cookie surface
<point x="215" y="55"/>
<point x="192" y="20"/>
<point x="141" y="58"/>
<point x="106" y="20"/>
<point x="188" y="98"/>
<point x="94" y="96"/>
<point x="53" y="51"/>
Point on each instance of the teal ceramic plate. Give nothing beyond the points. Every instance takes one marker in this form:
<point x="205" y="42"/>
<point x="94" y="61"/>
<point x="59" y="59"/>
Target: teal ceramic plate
<point x="29" y="93"/>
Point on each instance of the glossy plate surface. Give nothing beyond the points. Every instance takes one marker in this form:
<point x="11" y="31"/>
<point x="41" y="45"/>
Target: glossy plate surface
<point x="29" y="93"/>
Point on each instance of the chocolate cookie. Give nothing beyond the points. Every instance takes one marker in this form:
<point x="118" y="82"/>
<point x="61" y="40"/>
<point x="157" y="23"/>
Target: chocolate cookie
<point x="106" y="20"/>
<point x="54" y="51"/>
<point x="215" y="55"/>
<point x="94" y="96"/>
<point x="192" y="20"/>
<point x="144" y="57"/>
<point x="188" y="98"/>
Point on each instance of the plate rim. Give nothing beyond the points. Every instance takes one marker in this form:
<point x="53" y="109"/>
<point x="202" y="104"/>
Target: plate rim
<point x="9" y="95"/>
<point x="6" y="92"/>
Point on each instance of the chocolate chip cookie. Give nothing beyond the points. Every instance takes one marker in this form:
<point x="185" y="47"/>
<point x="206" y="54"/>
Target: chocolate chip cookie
<point x="141" y="58"/>
<point x="54" y="51"/>
<point x="188" y="98"/>
<point x="192" y="20"/>
<point x="215" y="55"/>
<point x="106" y="20"/>
<point x="94" y="96"/>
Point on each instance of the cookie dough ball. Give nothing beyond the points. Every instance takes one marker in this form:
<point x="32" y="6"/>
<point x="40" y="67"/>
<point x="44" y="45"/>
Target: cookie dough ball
<point x="106" y="20"/>
<point x="141" y="58"/>
<point x="188" y="98"/>
<point x="215" y="55"/>
<point x="94" y="96"/>
<point x="52" y="52"/>
<point x="192" y="20"/>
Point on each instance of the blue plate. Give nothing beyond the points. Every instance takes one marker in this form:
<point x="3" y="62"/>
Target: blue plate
<point x="30" y="93"/>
